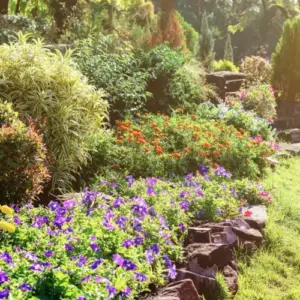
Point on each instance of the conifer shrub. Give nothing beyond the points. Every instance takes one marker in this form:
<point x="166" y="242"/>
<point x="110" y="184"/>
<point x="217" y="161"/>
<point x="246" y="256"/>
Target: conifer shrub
<point x="228" y="51"/>
<point x="224" y="65"/>
<point x="22" y="159"/>
<point x="46" y="88"/>
<point x="286" y="61"/>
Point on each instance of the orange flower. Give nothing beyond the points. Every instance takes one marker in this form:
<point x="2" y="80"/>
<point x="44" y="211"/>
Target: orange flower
<point x="221" y="146"/>
<point x="138" y="115"/>
<point x="166" y="123"/>
<point x="159" y="150"/>
<point x="206" y="145"/>
<point x="203" y="154"/>
<point x="187" y="150"/>
<point x="119" y="141"/>
<point x="142" y="141"/>
<point x="176" y="155"/>
<point x="155" y="143"/>
<point x="130" y="140"/>
<point x="217" y="153"/>
<point x="116" y="166"/>
<point x="194" y="117"/>
<point x="180" y="110"/>
<point x="196" y="134"/>
<point x="146" y="150"/>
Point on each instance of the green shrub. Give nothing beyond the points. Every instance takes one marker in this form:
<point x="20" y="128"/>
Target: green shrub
<point x="118" y="71"/>
<point x="67" y="110"/>
<point x="22" y="159"/>
<point x="224" y="65"/>
<point x="256" y="69"/>
<point x="286" y="61"/>
<point x="260" y="99"/>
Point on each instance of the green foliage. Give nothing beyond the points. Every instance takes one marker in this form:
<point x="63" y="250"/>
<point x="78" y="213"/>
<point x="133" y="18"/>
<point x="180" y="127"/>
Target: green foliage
<point x="224" y="65"/>
<point x="46" y="87"/>
<point x="286" y="62"/>
<point x="191" y="35"/>
<point x="118" y="71"/>
<point x="22" y="159"/>
<point x="228" y="52"/>
<point x="260" y="99"/>
<point x="206" y="43"/>
<point x="239" y="118"/>
<point x="256" y="69"/>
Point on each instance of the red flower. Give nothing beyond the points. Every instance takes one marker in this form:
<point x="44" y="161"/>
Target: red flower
<point x="248" y="213"/>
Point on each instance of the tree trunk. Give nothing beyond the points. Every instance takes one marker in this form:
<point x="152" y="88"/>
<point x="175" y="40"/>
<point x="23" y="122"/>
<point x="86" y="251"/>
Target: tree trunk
<point x="4" y="7"/>
<point x="110" y="10"/>
<point x="17" y="10"/>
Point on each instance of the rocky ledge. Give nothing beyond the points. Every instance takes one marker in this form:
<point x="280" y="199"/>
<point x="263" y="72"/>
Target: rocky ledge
<point x="209" y="249"/>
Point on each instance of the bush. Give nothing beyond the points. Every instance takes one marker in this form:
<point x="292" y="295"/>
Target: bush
<point x="46" y="87"/>
<point x="22" y="159"/>
<point x="176" y="80"/>
<point x="260" y="99"/>
<point x="256" y="69"/>
<point x="224" y="65"/>
<point x="237" y="117"/>
<point x="117" y="240"/>
<point x="117" y="71"/>
<point x="286" y="62"/>
<point x="162" y="146"/>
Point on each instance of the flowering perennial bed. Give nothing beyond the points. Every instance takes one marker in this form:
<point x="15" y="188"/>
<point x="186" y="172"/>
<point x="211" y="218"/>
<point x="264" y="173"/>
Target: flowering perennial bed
<point x="117" y="240"/>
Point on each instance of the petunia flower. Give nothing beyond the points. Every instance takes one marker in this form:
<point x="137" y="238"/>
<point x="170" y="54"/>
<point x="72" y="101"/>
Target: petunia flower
<point x="149" y="256"/>
<point x="182" y="227"/>
<point x="155" y="248"/>
<point x="48" y="253"/>
<point x="172" y="272"/>
<point x="81" y="261"/>
<point x="17" y="220"/>
<point x="69" y="247"/>
<point x="140" y="277"/>
<point x="3" y="277"/>
<point x="53" y="205"/>
<point x="5" y="293"/>
<point x="25" y="287"/>
<point x="94" y="247"/>
<point x="6" y="257"/>
<point x="96" y="263"/>
<point x="111" y="291"/>
<point x="36" y="267"/>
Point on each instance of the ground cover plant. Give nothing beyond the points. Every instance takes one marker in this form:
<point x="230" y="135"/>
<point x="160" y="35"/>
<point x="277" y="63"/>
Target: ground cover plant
<point x="273" y="272"/>
<point x="117" y="239"/>
<point x="158" y="145"/>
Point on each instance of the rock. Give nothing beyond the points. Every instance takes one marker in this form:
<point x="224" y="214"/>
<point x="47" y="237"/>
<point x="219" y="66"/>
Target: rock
<point x="206" y="272"/>
<point x="227" y="237"/>
<point x="237" y="223"/>
<point x="250" y="235"/>
<point x="199" y="235"/>
<point x="231" y="277"/>
<point x="258" y="218"/>
<point x="204" y="285"/>
<point x="289" y="135"/>
<point x="179" y="290"/>
<point x="273" y="161"/>
<point x="293" y="149"/>
<point x="208" y="255"/>
<point x="233" y="85"/>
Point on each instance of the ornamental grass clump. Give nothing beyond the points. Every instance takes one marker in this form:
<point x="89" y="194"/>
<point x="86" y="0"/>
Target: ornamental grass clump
<point x="45" y="88"/>
<point x="117" y="240"/>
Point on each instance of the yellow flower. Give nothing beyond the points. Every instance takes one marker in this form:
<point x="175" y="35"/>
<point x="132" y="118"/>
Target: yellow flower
<point x="7" y="226"/>
<point x="7" y="210"/>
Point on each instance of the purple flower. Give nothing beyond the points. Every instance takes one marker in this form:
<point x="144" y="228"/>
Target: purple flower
<point x="109" y="226"/>
<point x="96" y="263"/>
<point x="69" y="204"/>
<point x="39" y="221"/>
<point x="118" y="259"/>
<point x="128" y="243"/>
<point x="86" y="279"/>
<point x="95" y="247"/>
<point x="163" y="222"/>
<point x="25" y="287"/>
<point x="136" y="224"/>
<point x="48" y="253"/>
<point x="149" y="256"/>
<point x="240" y="210"/>
<point x="222" y="172"/>
<point x="3" y="277"/>
<point x="234" y="193"/>
<point x="200" y="213"/>
<point x="140" y="277"/>
<point x="168" y="262"/>
<point x="183" y="194"/>
<point x="189" y="177"/>
<point x="130" y="180"/>
<point x="218" y="211"/>
<point x="184" y="205"/>
<point x="53" y="205"/>
<point x="138" y="240"/>
<point x="36" y="267"/>
<point x="81" y="298"/>
<point x="172" y="272"/>
<point x="204" y="170"/>
<point x="151" y="191"/>
<point x="69" y="247"/>
<point x="5" y="293"/>
<point x="6" y="257"/>
<point x="30" y="256"/>
<point x="129" y="266"/>
<point x="155" y="248"/>
<point x="111" y="291"/>
<point x="117" y="203"/>
<point x="126" y="292"/>
<point x="121" y="222"/>
<point x="140" y="209"/>
<point x="181" y="226"/>
<point x="17" y="221"/>
<point x="81" y="261"/>
<point x="93" y="238"/>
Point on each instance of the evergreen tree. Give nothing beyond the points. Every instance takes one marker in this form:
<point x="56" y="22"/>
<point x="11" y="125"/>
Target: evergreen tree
<point x="286" y="61"/>
<point x="228" y="53"/>
<point x="206" y="43"/>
